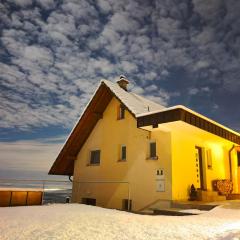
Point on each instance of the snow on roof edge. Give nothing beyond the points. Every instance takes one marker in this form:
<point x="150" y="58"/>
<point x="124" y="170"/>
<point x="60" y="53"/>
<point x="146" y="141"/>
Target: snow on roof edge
<point x="135" y="103"/>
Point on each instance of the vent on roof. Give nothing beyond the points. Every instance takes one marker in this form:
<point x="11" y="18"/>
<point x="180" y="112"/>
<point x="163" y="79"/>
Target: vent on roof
<point x="123" y="82"/>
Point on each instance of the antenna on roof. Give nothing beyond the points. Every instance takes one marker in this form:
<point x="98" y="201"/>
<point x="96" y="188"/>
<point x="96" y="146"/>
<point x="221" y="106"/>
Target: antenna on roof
<point x="123" y="82"/>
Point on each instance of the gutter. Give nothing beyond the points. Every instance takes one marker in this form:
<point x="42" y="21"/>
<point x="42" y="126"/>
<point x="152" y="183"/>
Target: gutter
<point x="230" y="161"/>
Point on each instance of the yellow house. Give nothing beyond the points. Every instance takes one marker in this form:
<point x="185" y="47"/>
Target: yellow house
<point x="127" y="152"/>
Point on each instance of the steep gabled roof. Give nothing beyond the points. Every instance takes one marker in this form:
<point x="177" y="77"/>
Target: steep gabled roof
<point x="146" y="113"/>
<point x="136" y="104"/>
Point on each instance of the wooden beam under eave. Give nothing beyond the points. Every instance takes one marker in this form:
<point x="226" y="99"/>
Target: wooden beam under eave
<point x="180" y="114"/>
<point x="98" y="115"/>
<point x="90" y="122"/>
<point x="92" y="105"/>
<point x="64" y="165"/>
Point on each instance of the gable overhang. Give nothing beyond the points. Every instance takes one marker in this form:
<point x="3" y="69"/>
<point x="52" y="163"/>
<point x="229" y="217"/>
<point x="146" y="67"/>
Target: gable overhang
<point x="64" y="163"/>
<point x="181" y="113"/>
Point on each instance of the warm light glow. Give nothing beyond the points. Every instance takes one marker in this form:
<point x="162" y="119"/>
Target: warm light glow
<point x="217" y="150"/>
<point x="237" y="148"/>
<point x="217" y="157"/>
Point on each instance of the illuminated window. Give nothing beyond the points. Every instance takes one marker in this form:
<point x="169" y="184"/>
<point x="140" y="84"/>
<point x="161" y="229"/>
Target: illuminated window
<point x="209" y="158"/>
<point x="121" y="112"/>
<point x="95" y="157"/>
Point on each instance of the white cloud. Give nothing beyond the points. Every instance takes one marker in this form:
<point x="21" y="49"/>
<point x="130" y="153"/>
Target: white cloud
<point x="207" y="11"/>
<point x="104" y="6"/>
<point x="201" y="64"/>
<point x="39" y="54"/>
<point x="55" y="61"/>
<point x="152" y="88"/>
<point x="122" y="22"/>
<point x="129" y="67"/>
<point x="193" y="91"/>
<point x="23" y="3"/>
<point x="46" y="4"/>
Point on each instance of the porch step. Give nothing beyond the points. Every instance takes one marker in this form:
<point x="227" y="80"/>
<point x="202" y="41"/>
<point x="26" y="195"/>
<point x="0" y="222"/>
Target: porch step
<point x="171" y="212"/>
<point x="209" y="196"/>
<point x="192" y="205"/>
<point x="176" y="208"/>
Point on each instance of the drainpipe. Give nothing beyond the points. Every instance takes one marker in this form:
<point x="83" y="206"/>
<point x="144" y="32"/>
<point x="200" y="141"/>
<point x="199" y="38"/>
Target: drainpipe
<point x="70" y="178"/>
<point x="230" y="161"/>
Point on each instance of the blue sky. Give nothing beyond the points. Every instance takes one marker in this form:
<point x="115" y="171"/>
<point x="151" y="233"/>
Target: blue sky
<point x="54" y="53"/>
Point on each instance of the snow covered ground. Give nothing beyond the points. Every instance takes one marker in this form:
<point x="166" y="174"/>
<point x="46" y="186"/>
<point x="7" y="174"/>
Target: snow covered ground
<point x="76" y="221"/>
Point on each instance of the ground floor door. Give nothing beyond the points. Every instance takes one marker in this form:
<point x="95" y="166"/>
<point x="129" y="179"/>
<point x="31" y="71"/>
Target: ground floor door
<point x="199" y="167"/>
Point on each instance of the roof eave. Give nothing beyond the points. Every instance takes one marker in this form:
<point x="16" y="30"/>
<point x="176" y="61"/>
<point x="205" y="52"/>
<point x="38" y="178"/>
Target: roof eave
<point x="181" y="113"/>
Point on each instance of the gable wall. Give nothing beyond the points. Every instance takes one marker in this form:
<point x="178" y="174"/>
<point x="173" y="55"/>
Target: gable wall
<point x="108" y="135"/>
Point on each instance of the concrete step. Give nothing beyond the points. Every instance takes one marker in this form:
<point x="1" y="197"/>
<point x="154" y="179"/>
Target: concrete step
<point x="167" y="207"/>
<point x="233" y="196"/>
<point x="147" y="212"/>
<point x="209" y="196"/>
<point x="221" y="198"/>
<point x="171" y="212"/>
<point x="192" y="205"/>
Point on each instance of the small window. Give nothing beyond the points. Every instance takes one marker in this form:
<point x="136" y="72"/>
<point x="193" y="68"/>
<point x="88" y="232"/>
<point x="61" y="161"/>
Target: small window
<point x="89" y="201"/>
<point x="121" y="112"/>
<point x="126" y="205"/>
<point x="209" y="158"/>
<point x="95" y="157"/>
<point x="123" y="153"/>
<point x="238" y="158"/>
<point x="153" y="150"/>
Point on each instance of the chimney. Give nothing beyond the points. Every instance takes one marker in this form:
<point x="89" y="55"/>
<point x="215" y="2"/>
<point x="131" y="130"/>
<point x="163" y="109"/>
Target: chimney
<point x="123" y="82"/>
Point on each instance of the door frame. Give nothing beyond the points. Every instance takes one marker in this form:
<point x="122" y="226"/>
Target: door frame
<point x="201" y="173"/>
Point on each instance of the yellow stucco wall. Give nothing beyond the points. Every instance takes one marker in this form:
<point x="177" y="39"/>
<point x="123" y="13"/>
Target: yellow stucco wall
<point x="108" y="135"/>
<point x="176" y="144"/>
<point x="184" y="140"/>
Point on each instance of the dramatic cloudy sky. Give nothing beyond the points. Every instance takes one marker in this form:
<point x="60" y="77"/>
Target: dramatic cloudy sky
<point x="53" y="54"/>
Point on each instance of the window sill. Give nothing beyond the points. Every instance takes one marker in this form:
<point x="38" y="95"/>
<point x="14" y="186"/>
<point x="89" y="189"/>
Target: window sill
<point x="152" y="158"/>
<point x="122" y="160"/>
<point x="93" y="164"/>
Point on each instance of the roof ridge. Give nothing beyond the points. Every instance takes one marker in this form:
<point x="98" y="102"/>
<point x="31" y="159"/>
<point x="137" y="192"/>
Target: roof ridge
<point x="137" y="104"/>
